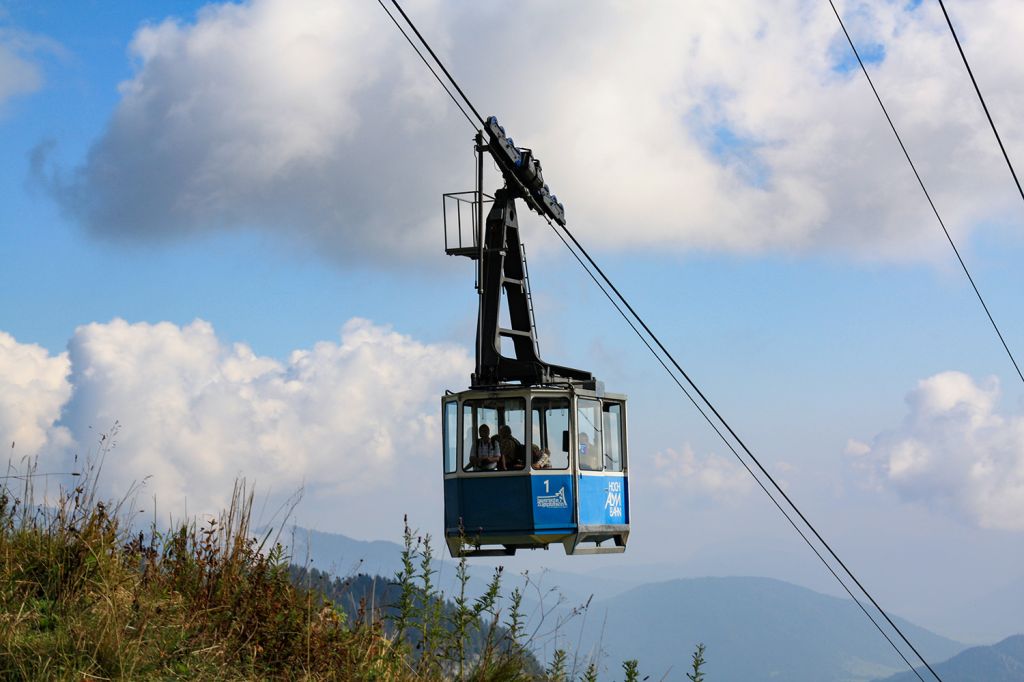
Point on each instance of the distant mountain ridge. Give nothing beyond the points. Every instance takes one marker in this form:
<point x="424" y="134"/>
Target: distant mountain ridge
<point x="755" y="628"/>
<point x="342" y="556"/>
<point x="1001" y="662"/>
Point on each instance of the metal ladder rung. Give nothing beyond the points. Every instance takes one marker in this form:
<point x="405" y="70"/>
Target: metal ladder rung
<point x="514" y="332"/>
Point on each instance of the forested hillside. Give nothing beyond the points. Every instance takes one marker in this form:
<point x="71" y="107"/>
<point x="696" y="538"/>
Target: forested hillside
<point x="84" y="597"/>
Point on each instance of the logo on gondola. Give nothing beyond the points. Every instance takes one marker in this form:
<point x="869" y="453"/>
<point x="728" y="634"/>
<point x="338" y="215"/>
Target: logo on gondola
<point x="614" y="501"/>
<point x="556" y="501"/>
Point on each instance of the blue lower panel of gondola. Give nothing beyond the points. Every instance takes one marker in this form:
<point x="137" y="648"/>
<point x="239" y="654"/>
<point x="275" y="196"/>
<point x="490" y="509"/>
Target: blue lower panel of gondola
<point x="509" y="505"/>
<point x="604" y="500"/>
<point x="489" y="504"/>
<point x="451" y="503"/>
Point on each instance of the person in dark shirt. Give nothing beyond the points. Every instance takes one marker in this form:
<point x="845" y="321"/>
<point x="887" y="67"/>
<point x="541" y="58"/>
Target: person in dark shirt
<point x="513" y="454"/>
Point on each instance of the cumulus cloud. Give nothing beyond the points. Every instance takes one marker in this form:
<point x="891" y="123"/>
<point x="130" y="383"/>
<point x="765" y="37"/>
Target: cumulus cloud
<point x="346" y="419"/>
<point x="708" y="475"/>
<point x="738" y="126"/>
<point x="955" y="451"/>
<point x="33" y="389"/>
<point x="19" y="72"/>
<point x="273" y="114"/>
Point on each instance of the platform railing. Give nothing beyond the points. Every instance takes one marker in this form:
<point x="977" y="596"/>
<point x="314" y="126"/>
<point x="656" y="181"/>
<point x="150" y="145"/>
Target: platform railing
<point x="461" y="211"/>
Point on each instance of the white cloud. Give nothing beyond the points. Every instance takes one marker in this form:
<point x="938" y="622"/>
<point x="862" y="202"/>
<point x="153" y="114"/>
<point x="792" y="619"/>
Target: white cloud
<point x="709" y="475"/>
<point x="734" y="126"/>
<point x="954" y="451"/>
<point x="19" y="74"/>
<point x="273" y="114"/>
<point x="350" y="420"/>
<point x="33" y="388"/>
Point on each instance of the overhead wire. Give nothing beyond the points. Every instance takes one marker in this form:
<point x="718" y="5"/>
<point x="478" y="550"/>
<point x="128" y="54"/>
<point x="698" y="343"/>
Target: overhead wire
<point x="747" y="450"/>
<point x="737" y="455"/>
<point x="437" y="59"/>
<point x="981" y="98"/>
<point x="714" y="410"/>
<point x="555" y="227"/>
<point x="427" y="64"/>
<point x="927" y="195"/>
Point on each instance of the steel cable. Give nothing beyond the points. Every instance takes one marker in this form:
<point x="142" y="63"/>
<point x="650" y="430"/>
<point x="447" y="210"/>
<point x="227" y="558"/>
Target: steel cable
<point x="712" y="408"/>
<point x="927" y="195"/>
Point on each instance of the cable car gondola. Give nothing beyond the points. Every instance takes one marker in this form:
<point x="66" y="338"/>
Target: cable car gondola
<point x="534" y="453"/>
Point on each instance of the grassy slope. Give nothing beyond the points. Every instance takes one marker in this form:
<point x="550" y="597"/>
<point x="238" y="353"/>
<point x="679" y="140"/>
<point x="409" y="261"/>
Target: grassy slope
<point x="81" y="598"/>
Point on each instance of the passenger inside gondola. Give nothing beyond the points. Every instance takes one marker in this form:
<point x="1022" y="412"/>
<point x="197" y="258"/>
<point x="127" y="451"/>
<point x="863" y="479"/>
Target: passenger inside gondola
<point x="541" y="458"/>
<point x="513" y="454"/>
<point x="500" y="428"/>
<point x="550" y="433"/>
<point x="486" y="455"/>
<point x="590" y="455"/>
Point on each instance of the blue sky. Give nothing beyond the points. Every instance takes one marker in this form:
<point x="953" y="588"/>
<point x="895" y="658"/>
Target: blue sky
<point x="742" y="191"/>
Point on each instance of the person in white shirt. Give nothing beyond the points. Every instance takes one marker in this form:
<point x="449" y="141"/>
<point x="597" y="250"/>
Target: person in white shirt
<point x="486" y="453"/>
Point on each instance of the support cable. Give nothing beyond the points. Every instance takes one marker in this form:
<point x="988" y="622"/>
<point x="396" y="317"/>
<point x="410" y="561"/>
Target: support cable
<point x="926" y="194"/>
<point x="711" y="407"/>
<point x="427" y="64"/>
<point x="437" y="60"/>
<point x="736" y="454"/>
<point x="981" y="99"/>
<point x="555" y="228"/>
<point x="748" y="451"/>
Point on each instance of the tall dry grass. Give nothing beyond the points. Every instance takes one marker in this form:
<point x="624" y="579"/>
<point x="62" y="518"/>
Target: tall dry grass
<point x="82" y="596"/>
<point x="85" y="595"/>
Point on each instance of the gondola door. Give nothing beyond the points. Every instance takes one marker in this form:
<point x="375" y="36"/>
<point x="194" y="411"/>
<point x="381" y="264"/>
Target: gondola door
<point x="600" y="438"/>
<point x="554" y="503"/>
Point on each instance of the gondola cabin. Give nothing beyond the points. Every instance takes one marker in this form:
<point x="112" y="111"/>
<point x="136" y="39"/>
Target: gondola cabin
<point x="534" y="453"/>
<point x="558" y="472"/>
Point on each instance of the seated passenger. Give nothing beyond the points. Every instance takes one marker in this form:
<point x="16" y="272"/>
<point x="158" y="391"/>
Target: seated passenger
<point x="541" y="458"/>
<point x="512" y="451"/>
<point x="485" y="454"/>
<point x="590" y="458"/>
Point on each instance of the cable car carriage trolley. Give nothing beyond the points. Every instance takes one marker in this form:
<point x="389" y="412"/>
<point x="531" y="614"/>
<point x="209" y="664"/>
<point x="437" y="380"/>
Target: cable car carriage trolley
<point x="534" y="453"/>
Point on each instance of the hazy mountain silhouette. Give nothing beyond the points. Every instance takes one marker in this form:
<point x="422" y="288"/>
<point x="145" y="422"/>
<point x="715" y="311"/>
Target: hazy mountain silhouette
<point x="341" y="555"/>
<point x="754" y="628"/>
<point x="1002" y="662"/>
